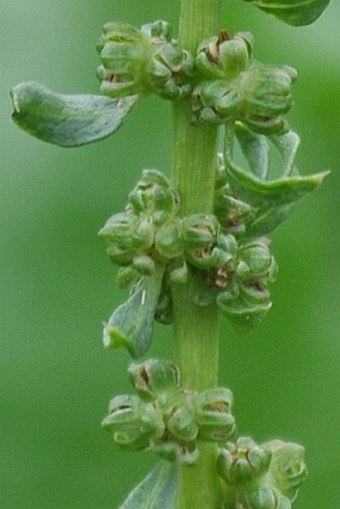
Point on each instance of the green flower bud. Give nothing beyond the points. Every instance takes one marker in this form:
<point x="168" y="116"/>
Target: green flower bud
<point x="124" y="52"/>
<point x="159" y="31"/>
<point x="118" y="234"/>
<point x="182" y="424"/>
<point x="242" y="462"/>
<point x="144" y="265"/>
<point x="155" y="196"/>
<point x="154" y="376"/>
<point x="224" y="57"/>
<point x="213" y="416"/>
<point x="143" y="236"/>
<point x="288" y="469"/>
<point x="132" y="423"/>
<point x="243" y="315"/>
<point x="266" y="497"/>
<point x="127" y="277"/>
<point x="266" y="96"/>
<point x="255" y="260"/>
<point x="216" y="102"/>
<point x="170" y="71"/>
<point x="168" y="240"/>
<point x="201" y="241"/>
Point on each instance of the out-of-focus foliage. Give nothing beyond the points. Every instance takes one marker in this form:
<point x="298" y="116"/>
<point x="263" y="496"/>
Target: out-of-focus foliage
<point x="57" y="284"/>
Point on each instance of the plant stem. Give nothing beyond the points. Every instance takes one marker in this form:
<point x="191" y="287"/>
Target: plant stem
<point x="196" y="328"/>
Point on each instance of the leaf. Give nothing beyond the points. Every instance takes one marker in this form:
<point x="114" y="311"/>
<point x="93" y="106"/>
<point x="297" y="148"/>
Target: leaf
<point x="293" y="12"/>
<point x="267" y="220"/>
<point x="131" y="324"/>
<point x="67" y="120"/>
<point x="255" y="149"/>
<point x="273" y="193"/>
<point x="287" y="145"/>
<point x="156" y="491"/>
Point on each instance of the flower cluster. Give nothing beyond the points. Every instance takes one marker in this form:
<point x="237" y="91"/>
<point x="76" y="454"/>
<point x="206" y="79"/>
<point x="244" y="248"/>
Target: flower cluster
<point x="166" y="418"/>
<point x="223" y="80"/>
<point x="154" y="246"/>
<point x="142" y="61"/>
<point x="234" y="87"/>
<point x="261" y="477"/>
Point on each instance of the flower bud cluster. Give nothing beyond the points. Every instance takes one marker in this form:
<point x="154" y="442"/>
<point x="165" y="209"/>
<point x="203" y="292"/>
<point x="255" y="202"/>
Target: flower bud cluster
<point x="141" y="61"/>
<point x="166" y="418"/>
<point x="234" y="87"/>
<point x="261" y="477"/>
<point x="149" y="233"/>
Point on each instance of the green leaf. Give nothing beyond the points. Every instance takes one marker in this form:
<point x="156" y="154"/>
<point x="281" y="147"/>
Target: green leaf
<point x="267" y="220"/>
<point x="273" y="193"/>
<point x="131" y="324"/>
<point x="293" y="12"/>
<point x="156" y="491"/>
<point x="67" y="120"/>
<point x="255" y="149"/>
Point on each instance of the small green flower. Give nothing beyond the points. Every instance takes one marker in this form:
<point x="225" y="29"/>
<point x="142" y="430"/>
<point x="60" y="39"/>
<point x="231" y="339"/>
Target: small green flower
<point x="242" y="462"/>
<point x="223" y="56"/>
<point x="124" y="52"/>
<point x="266" y="96"/>
<point x="288" y="469"/>
<point x="154" y="376"/>
<point x="213" y="414"/>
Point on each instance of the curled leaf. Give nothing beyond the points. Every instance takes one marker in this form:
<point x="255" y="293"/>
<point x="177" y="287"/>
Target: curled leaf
<point x="67" y="120"/>
<point x="272" y="193"/>
<point x="293" y="12"/>
<point x="157" y="490"/>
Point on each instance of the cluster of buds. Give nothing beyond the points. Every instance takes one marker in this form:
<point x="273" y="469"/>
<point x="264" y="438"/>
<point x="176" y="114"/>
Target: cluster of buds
<point x="149" y="234"/>
<point x="240" y="286"/>
<point x="166" y="418"/>
<point x="141" y="61"/>
<point x="261" y="477"/>
<point x="148" y="230"/>
<point x="233" y="87"/>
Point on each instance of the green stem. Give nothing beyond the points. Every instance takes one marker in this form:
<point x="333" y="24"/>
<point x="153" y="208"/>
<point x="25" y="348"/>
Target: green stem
<point x="196" y="328"/>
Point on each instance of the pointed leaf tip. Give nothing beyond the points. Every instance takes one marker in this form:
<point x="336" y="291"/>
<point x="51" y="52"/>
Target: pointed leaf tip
<point x="293" y="12"/>
<point x="67" y="120"/>
<point x="157" y="490"/>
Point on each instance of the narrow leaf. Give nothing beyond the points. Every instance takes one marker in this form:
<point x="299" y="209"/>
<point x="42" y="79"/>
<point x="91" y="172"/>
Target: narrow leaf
<point x="131" y="324"/>
<point x="67" y="120"/>
<point x="156" y="491"/>
<point x="293" y="12"/>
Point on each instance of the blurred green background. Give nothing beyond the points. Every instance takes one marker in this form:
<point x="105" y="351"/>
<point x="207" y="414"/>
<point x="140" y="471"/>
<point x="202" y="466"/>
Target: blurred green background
<point x="57" y="285"/>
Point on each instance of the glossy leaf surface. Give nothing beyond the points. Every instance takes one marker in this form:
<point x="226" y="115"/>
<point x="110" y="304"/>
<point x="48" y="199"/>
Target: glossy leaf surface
<point x="293" y="12"/>
<point x="67" y="120"/>
<point x="156" y="491"/>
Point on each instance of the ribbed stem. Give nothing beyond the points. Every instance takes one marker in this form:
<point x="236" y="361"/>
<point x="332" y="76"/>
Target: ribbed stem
<point x="196" y="328"/>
